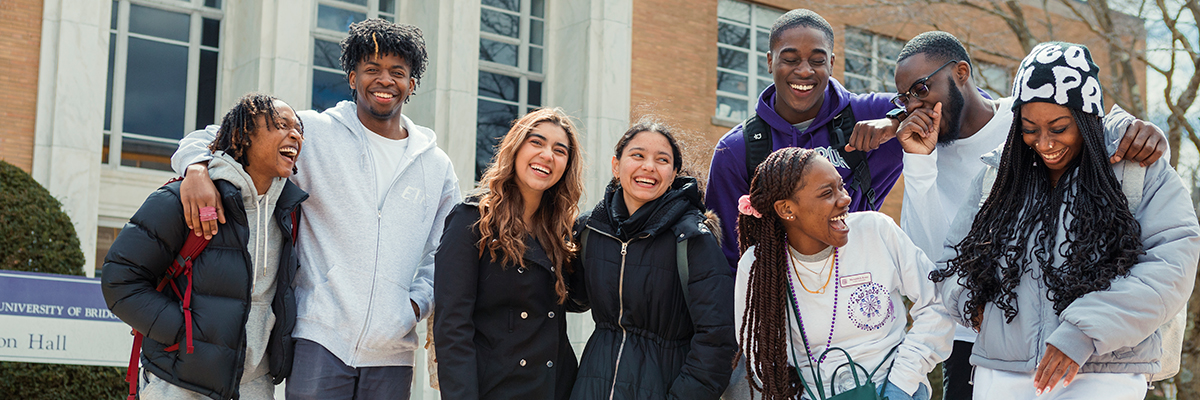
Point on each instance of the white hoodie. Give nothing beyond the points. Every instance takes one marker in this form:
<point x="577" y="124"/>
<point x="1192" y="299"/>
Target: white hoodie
<point x="361" y="260"/>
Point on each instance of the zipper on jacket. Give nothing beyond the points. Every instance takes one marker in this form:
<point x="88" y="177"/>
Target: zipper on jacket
<point x="620" y="306"/>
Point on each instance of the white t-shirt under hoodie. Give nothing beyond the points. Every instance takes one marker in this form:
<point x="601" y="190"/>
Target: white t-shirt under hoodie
<point x="876" y="268"/>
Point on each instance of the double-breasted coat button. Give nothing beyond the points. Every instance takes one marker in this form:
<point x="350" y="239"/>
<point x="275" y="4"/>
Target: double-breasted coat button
<point x="522" y="362"/>
<point x="551" y="269"/>
<point x="551" y="314"/>
<point x="549" y="364"/>
<point x="520" y="270"/>
<point x="524" y="315"/>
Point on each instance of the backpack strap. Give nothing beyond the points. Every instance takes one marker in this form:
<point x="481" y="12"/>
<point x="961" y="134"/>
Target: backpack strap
<point x="681" y="264"/>
<point x="757" y="135"/>
<point x="182" y="265"/>
<point x="839" y="136"/>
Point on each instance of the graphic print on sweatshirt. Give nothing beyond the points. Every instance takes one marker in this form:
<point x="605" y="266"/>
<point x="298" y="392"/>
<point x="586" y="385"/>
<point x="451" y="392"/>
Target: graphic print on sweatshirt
<point x="870" y="307"/>
<point x="833" y="156"/>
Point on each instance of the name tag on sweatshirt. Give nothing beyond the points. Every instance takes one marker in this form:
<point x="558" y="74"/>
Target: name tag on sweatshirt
<point x="855" y="280"/>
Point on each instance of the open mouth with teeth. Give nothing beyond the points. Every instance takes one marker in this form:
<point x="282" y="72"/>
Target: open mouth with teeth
<point x="541" y="170"/>
<point x="383" y="96"/>
<point x="802" y="88"/>
<point x="1051" y="158"/>
<point x="838" y="223"/>
<point x="645" y="182"/>
<point x="289" y="152"/>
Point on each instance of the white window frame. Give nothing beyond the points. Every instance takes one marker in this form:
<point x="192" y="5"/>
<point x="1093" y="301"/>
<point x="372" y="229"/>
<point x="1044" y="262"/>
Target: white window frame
<point x="880" y="79"/>
<point x="371" y="9"/>
<point x="197" y="12"/>
<point x="761" y="19"/>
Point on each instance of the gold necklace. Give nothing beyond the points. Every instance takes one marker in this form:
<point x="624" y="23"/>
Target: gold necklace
<point x="820" y="290"/>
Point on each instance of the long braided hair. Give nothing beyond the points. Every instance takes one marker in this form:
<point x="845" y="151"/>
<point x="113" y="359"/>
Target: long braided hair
<point x="764" y="327"/>
<point x="1020" y="220"/>
<point x="241" y="122"/>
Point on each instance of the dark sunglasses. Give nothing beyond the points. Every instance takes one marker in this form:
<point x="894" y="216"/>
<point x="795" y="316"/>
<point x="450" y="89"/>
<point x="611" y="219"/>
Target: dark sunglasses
<point x="918" y="89"/>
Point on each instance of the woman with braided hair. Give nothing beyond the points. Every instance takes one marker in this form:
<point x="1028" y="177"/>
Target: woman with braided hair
<point x="813" y="277"/>
<point x="1070" y="265"/>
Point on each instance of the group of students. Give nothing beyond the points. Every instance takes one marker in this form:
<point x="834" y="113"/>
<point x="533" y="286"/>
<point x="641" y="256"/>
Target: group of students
<point x="1058" y="235"/>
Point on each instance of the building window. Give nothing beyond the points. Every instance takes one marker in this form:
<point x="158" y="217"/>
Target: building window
<point x="743" y="41"/>
<point x="162" y="78"/>
<point x="333" y="21"/>
<point x="870" y="61"/>
<point x="512" y="48"/>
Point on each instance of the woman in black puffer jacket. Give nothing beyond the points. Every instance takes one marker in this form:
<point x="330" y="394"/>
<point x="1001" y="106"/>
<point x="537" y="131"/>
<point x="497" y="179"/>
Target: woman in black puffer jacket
<point x="653" y="340"/>
<point x="243" y="307"/>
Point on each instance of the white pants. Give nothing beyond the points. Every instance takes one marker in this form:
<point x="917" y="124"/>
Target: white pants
<point x="995" y="384"/>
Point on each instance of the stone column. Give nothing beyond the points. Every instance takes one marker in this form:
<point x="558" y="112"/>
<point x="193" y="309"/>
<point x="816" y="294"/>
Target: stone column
<point x="70" y="117"/>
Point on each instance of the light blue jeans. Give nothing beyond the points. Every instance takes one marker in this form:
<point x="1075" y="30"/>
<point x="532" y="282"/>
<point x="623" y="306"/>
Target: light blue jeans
<point x="894" y="393"/>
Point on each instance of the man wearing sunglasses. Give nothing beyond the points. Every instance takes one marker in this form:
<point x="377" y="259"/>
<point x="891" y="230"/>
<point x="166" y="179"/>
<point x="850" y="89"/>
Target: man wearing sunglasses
<point x="949" y="126"/>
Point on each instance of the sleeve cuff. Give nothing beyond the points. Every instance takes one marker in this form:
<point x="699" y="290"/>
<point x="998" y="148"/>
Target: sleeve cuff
<point x="1072" y="342"/>
<point x="923" y="166"/>
<point x="904" y="380"/>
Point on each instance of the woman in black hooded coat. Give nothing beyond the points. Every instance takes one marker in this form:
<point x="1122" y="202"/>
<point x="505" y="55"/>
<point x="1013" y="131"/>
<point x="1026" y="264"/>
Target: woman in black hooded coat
<point x="653" y="340"/>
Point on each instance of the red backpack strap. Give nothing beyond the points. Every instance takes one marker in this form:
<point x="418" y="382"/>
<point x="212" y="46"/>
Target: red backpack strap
<point x="295" y="224"/>
<point x="181" y="266"/>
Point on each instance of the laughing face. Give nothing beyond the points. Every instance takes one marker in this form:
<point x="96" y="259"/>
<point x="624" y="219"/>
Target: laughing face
<point x="814" y="217"/>
<point x="542" y="158"/>
<point x="273" y="149"/>
<point x="646" y="169"/>
<point x="1050" y="130"/>
<point x="801" y="61"/>
<point x="382" y="83"/>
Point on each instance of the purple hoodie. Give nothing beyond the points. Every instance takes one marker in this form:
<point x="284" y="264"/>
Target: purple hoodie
<point x="727" y="178"/>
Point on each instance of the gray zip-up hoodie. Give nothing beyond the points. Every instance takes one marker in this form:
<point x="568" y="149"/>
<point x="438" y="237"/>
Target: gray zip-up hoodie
<point x="1110" y="331"/>
<point x="264" y="245"/>
<point x="361" y="261"/>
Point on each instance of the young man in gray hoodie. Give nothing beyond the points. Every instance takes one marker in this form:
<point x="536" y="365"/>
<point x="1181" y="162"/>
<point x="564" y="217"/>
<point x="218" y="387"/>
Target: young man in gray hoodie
<point x="380" y="192"/>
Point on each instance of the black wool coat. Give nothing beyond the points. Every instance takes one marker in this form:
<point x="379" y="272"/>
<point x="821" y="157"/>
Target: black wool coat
<point x="499" y="332"/>
<point x="222" y="276"/>
<point x="648" y="340"/>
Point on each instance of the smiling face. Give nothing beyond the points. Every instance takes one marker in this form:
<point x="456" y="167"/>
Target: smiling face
<point x="801" y="61"/>
<point x="542" y="158"/>
<point x="382" y="84"/>
<point x="1050" y="130"/>
<point x="273" y="149"/>
<point x="814" y="216"/>
<point x="943" y="87"/>
<point x="645" y="169"/>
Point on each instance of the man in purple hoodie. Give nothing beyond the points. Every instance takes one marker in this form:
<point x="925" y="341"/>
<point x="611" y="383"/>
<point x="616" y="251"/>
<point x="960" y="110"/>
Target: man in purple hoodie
<point x="798" y="111"/>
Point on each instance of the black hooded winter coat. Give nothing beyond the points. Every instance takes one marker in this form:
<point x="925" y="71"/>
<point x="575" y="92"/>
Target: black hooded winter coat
<point x="221" y="284"/>
<point x="649" y="342"/>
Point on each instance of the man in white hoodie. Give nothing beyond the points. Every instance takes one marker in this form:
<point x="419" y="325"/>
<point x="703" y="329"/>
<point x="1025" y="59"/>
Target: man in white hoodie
<point x="380" y="192"/>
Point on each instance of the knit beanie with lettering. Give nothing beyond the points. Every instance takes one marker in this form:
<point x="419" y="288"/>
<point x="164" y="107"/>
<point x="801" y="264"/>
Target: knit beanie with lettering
<point x="1060" y="73"/>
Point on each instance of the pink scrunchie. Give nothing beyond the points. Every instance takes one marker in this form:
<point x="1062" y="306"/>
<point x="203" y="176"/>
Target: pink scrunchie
<point x="745" y="208"/>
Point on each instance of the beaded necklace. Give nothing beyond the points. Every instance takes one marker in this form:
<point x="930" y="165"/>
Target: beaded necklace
<point x="800" y="320"/>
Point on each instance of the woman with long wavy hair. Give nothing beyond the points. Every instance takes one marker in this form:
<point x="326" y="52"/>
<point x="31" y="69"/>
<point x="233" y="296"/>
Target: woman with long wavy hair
<point x="501" y="295"/>
<point x="815" y="277"/>
<point x="1065" y="276"/>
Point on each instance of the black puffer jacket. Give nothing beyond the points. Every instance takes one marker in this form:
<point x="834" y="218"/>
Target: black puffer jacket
<point x="221" y="284"/>
<point x="655" y="344"/>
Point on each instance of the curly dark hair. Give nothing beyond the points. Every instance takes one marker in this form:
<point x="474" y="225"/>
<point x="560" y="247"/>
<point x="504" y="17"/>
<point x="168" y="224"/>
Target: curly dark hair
<point x="764" y="327"/>
<point x="376" y="37"/>
<point x="239" y="124"/>
<point x="1102" y="239"/>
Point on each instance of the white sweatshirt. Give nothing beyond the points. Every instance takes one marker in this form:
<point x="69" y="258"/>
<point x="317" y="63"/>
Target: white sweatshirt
<point x="935" y="186"/>
<point x="875" y="268"/>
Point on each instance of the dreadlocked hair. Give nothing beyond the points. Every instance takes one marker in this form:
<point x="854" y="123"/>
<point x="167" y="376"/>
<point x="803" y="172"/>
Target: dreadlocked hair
<point x="764" y="327"/>
<point x="378" y="37"/>
<point x="1023" y="209"/>
<point x="240" y="123"/>
<point x="501" y="224"/>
